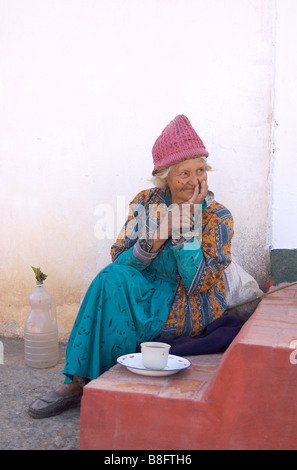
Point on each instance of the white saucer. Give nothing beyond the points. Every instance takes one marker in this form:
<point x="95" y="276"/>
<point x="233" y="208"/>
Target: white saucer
<point x="133" y="362"/>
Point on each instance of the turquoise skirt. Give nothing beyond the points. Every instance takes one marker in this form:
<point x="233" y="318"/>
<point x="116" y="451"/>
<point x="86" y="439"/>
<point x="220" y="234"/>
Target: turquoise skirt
<point x="122" y="308"/>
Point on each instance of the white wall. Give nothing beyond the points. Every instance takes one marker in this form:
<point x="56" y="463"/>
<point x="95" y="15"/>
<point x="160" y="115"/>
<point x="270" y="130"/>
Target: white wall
<point x="86" y="88"/>
<point x="283" y="207"/>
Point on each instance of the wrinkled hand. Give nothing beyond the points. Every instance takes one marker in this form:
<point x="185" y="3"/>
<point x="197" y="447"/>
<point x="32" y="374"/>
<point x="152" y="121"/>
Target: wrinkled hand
<point x="190" y="207"/>
<point x="200" y="193"/>
<point x="180" y="218"/>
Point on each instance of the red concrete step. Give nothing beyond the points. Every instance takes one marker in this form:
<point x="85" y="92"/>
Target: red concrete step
<point x="133" y="404"/>
<point x="188" y="384"/>
<point x="242" y="399"/>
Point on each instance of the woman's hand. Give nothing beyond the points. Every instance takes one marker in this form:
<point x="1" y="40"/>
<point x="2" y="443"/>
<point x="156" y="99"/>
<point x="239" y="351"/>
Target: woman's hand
<point x="180" y="218"/>
<point x="200" y="193"/>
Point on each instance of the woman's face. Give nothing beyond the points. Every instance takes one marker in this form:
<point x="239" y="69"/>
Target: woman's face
<point x="183" y="178"/>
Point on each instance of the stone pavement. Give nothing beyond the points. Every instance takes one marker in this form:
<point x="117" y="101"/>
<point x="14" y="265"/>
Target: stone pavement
<point x="19" y="386"/>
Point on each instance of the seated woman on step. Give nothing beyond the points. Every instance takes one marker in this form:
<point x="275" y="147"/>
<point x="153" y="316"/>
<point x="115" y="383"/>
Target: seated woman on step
<point x="165" y="281"/>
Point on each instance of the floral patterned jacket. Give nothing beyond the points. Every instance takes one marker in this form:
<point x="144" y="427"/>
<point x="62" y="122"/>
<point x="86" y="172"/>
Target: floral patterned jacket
<point x="199" y="297"/>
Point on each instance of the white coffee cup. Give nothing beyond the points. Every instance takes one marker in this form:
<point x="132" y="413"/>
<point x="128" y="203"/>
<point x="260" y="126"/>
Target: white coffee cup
<point x="155" y="355"/>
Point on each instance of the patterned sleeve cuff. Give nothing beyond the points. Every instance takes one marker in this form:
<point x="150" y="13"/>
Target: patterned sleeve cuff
<point x="142" y="255"/>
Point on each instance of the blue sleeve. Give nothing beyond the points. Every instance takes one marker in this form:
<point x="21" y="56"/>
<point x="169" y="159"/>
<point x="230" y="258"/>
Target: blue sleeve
<point x="136" y="257"/>
<point x="188" y="256"/>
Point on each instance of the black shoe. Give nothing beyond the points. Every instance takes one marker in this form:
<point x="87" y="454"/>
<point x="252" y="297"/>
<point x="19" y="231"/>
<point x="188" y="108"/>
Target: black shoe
<point x="53" y="404"/>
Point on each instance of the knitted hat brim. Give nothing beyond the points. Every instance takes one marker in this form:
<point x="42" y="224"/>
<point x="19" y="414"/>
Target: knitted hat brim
<point x="193" y="152"/>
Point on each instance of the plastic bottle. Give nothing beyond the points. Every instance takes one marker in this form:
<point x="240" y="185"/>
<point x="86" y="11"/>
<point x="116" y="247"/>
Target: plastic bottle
<point x="41" y="330"/>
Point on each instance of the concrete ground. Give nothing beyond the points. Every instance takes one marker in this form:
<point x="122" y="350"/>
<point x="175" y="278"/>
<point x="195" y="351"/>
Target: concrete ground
<point x="19" y="386"/>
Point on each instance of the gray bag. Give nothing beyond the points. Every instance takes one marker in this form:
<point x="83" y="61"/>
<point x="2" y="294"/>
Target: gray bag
<point x="240" y="287"/>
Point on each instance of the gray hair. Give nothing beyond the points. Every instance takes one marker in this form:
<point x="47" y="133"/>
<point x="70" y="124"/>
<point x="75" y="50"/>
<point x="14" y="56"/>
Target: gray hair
<point x="157" y="181"/>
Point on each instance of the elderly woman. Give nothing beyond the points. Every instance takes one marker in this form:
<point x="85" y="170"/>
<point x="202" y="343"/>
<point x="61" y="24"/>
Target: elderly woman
<point x="165" y="280"/>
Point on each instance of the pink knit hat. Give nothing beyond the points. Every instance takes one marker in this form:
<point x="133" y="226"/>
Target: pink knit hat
<point x="177" y="142"/>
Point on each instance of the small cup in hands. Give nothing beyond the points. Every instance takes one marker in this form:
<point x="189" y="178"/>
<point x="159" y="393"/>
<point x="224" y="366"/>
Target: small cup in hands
<point x="155" y="355"/>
